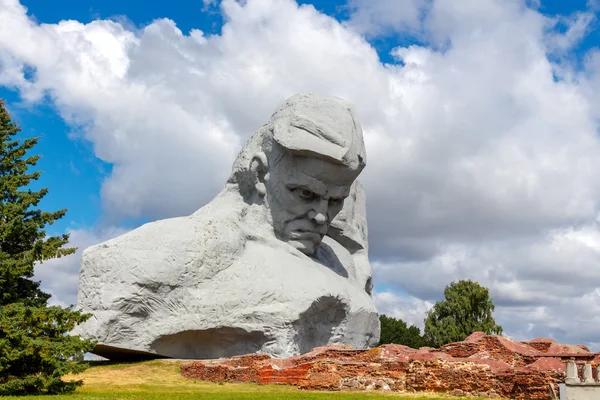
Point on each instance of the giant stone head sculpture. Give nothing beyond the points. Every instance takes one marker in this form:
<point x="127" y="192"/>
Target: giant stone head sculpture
<point x="276" y="263"/>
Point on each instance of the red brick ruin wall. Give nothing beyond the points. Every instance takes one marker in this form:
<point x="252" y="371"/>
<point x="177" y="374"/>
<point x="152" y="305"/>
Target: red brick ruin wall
<point x="482" y="365"/>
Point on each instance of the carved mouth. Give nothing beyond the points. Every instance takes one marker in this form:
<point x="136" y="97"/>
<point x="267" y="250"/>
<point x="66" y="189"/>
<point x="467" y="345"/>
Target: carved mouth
<point x="306" y="235"/>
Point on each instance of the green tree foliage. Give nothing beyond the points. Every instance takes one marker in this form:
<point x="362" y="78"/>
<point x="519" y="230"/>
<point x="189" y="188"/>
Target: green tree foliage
<point x="467" y="308"/>
<point x="397" y="331"/>
<point x="35" y="349"/>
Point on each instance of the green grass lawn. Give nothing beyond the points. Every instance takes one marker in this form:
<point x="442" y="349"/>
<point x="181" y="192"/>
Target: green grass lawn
<point x="161" y="379"/>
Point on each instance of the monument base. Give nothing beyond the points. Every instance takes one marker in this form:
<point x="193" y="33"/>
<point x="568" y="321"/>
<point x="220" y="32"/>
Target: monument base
<point x="118" y="354"/>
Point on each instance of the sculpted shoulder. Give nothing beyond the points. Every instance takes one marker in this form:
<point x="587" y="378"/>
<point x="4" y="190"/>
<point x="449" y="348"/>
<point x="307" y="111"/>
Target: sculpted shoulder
<point x="174" y="251"/>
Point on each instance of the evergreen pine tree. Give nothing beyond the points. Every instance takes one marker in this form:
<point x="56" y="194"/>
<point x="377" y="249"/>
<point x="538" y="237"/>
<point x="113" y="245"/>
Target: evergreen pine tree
<point x="35" y="348"/>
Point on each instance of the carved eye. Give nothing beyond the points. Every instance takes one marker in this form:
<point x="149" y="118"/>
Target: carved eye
<point x="304" y="193"/>
<point x="335" y="201"/>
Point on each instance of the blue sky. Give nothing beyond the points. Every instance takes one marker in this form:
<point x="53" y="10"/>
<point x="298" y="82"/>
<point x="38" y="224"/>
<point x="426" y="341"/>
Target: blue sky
<point x="482" y="155"/>
<point x="71" y="170"/>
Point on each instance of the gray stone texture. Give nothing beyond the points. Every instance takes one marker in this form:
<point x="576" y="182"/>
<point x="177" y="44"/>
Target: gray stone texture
<point x="276" y="263"/>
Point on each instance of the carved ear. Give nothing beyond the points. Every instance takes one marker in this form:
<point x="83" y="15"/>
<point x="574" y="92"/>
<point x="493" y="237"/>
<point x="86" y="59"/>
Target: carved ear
<point x="258" y="171"/>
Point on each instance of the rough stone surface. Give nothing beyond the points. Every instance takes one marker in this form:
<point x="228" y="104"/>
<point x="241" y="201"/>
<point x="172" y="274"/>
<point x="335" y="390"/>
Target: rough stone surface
<point x="276" y="263"/>
<point x="482" y="365"/>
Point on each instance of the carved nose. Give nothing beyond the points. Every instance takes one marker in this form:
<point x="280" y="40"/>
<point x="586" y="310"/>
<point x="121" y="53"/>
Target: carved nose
<point x="318" y="217"/>
<point x="319" y="211"/>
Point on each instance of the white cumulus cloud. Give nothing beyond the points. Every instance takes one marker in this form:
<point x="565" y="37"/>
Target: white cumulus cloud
<point x="483" y="153"/>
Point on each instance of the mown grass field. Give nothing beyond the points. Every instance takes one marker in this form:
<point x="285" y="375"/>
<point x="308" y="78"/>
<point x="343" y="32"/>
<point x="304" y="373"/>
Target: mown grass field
<point x="161" y="380"/>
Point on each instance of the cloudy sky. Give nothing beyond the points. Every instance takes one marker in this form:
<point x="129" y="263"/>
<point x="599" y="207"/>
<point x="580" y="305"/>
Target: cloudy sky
<point x="481" y="122"/>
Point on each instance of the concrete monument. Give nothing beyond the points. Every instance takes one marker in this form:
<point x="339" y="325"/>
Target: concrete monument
<point x="276" y="263"/>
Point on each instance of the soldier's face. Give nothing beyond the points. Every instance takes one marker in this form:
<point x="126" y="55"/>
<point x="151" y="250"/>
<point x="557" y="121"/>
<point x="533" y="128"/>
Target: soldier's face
<point x="304" y="195"/>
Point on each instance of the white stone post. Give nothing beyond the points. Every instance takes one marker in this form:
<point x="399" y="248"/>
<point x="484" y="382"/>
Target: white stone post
<point x="587" y="373"/>
<point x="572" y="375"/>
